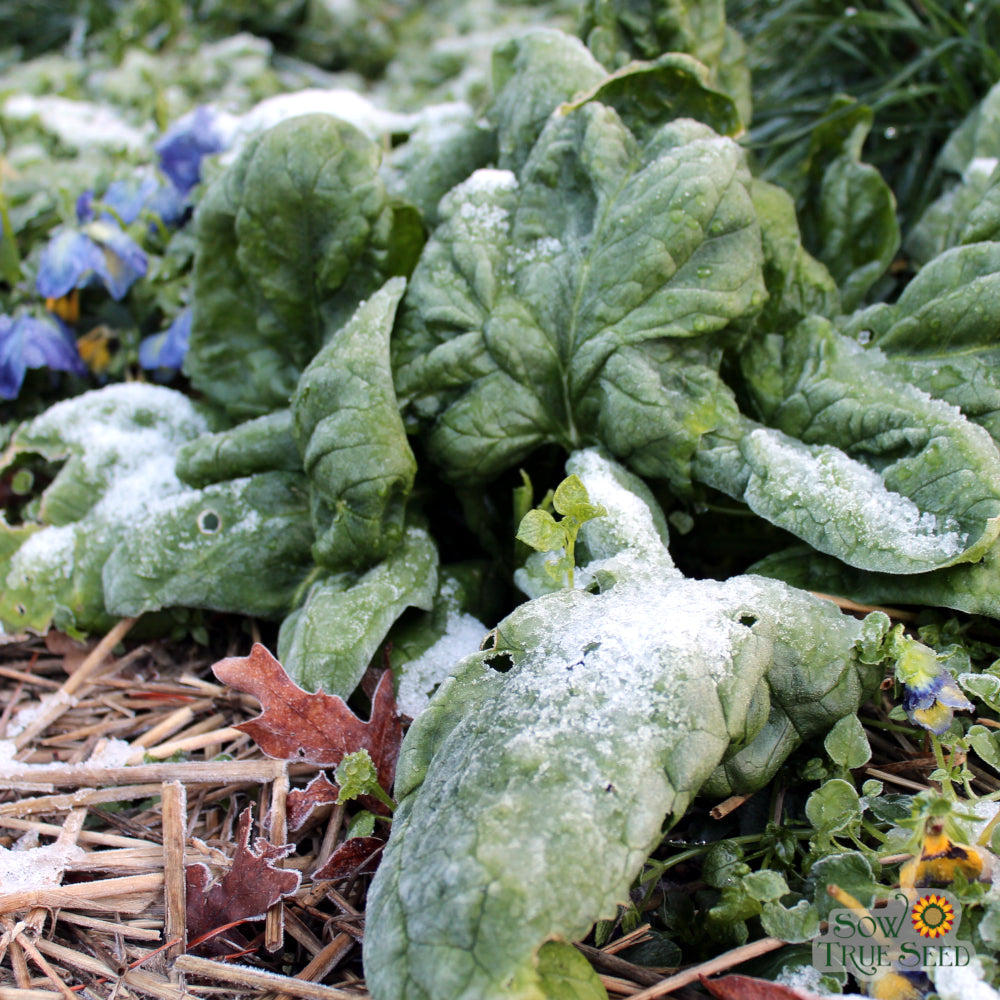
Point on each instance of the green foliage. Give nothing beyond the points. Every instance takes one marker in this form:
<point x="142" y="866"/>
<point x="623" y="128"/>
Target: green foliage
<point x="539" y="529"/>
<point x="357" y="775"/>
<point x="583" y="252"/>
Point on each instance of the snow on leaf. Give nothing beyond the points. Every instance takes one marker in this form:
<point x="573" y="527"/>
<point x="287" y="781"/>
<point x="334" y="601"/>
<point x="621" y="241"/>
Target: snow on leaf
<point x="314" y="728"/>
<point x="248" y="889"/>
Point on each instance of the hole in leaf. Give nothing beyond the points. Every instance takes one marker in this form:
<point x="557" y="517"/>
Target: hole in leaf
<point x="490" y="640"/>
<point x="748" y="620"/>
<point x="501" y="663"/>
<point x="209" y="522"/>
<point x="20" y="609"/>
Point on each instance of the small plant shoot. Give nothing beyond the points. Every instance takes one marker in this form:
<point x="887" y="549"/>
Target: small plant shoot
<point x="540" y="530"/>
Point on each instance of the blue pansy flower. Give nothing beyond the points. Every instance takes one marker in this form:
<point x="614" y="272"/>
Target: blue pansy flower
<point x="191" y="138"/>
<point x="32" y="342"/>
<point x="167" y="349"/>
<point x="930" y="693"/>
<point x="98" y="249"/>
<point x="145" y="191"/>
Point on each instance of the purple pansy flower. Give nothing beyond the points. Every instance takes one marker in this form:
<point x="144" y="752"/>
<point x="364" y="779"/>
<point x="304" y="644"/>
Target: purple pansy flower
<point x="32" y="342"/>
<point x="100" y="249"/>
<point x="183" y="146"/>
<point x="167" y="349"/>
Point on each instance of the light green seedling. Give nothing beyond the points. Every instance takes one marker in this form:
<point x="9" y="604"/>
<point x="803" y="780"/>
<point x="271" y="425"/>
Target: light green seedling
<point x="540" y="530"/>
<point x="357" y="775"/>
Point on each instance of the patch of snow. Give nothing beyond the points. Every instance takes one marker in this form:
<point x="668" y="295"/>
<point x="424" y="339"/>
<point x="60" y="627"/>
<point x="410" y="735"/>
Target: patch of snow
<point x="109" y="753"/>
<point x="80" y="124"/>
<point x="30" y="868"/>
<point x="421" y="676"/>
<point x="981" y="166"/>
<point x="348" y="105"/>
<point x="962" y="983"/>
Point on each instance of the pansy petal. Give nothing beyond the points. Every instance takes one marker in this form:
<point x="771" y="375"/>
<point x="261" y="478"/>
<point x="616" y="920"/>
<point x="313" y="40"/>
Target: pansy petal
<point x="129" y="196"/>
<point x="167" y="349"/>
<point x="122" y="260"/>
<point x="66" y="261"/>
<point x="182" y="147"/>
<point x="936" y="718"/>
<point x="31" y="342"/>
<point x="84" y="207"/>
<point x="48" y="343"/>
<point x="12" y="366"/>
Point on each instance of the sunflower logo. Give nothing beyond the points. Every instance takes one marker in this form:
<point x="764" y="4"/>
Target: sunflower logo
<point x="933" y="916"/>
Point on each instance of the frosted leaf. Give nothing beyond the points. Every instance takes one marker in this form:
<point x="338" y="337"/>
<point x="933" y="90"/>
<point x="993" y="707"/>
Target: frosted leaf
<point x="118" y="444"/>
<point x="879" y="519"/>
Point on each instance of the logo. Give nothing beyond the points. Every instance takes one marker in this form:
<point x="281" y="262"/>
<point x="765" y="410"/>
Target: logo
<point x="932" y="916"/>
<point x="909" y="934"/>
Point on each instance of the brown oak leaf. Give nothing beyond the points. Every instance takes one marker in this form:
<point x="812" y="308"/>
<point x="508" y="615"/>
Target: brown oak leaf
<point x="355" y="856"/>
<point x="315" y="728"/>
<point x="303" y="802"/>
<point x="750" y="988"/>
<point x="246" y="892"/>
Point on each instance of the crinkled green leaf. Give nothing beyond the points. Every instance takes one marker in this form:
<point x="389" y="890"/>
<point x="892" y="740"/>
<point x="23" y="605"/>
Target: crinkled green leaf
<point x="940" y="331"/>
<point x="440" y="153"/>
<point x="352" y="440"/>
<point x="983" y="740"/>
<point x="532" y="75"/>
<point x="241" y="546"/>
<point x="857" y="461"/>
<point x="525" y="322"/>
<point x="535" y="783"/>
<point x="798" y="285"/>
<point x="329" y="641"/>
<point x="564" y="974"/>
<point x="265" y="444"/>
<point x="675" y="85"/>
<point x="852" y="871"/>
<point x="967" y="212"/>
<point x="118" y="444"/>
<point x="618" y="31"/>
<point x="538" y="529"/>
<point x="848" y="213"/>
<point x="290" y="239"/>
<point x="834" y="808"/>
<point x="792" y="924"/>
<point x="970" y="587"/>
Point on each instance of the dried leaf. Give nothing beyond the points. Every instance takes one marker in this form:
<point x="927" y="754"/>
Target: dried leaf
<point x="303" y="802"/>
<point x="315" y="728"/>
<point x="356" y="856"/>
<point x="750" y="988"/>
<point x="250" y="887"/>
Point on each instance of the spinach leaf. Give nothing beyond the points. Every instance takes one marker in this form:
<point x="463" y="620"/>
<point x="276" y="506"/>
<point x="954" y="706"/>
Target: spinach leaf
<point x="242" y="546"/>
<point x="117" y="445"/>
<point x="328" y="642"/>
<point x="290" y="238"/>
<point x="525" y="323"/>
<point x="536" y="782"/>
<point x="856" y="460"/>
